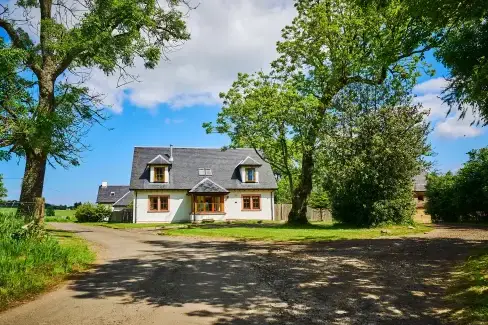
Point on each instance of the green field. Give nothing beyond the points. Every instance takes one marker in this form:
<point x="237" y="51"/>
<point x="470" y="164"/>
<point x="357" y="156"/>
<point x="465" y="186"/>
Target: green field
<point x="58" y="213"/>
<point x="280" y="232"/>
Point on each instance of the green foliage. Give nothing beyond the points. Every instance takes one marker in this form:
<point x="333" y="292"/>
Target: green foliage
<point x="3" y="190"/>
<point x="50" y="212"/>
<point x="88" y="212"/>
<point x="442" y="197"/>
<point x="31" y="261"/>
<point x="45" y="115"/>
<point x="330" y="46"/>
<point x="458" y="33"/>
<point x="319" y="199"/>
<point x="377" y="149"/>
<point x="461" y="197"/>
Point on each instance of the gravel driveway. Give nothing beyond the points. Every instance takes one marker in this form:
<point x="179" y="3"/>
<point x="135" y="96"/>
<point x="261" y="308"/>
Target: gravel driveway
<point x="148" y="279"/>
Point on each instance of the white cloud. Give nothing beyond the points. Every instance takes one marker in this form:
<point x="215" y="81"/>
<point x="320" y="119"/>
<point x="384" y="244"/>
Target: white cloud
<point x="227" y="37"/>
<point x="435" y="85"/>
<point x="449" y="127"/>
<point x="452" y="128"/>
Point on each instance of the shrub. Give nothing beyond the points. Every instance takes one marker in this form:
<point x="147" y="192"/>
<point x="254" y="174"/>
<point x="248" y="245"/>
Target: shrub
<point x="88" y="212"/>
<point x="50" y="212"/>
<point x="31" y="259"/>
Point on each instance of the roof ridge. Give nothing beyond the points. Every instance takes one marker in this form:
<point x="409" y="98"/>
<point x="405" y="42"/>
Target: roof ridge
<point x="188" y="147"/>
<point x="121" y="197"/>
<point x="208" y="179"/>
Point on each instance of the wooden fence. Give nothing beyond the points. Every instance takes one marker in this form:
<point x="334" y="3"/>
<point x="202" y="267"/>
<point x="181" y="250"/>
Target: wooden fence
<point x="124" y="215"/>
<point x="281" y="212"/>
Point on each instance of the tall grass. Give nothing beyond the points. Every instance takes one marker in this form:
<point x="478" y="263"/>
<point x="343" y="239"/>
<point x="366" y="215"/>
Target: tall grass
<point x="31" y="261"/>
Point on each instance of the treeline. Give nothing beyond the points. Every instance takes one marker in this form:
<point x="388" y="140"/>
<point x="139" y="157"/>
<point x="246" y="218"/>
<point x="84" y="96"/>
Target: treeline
<point x="16" y="204"/>
<point x="461" y="196"/>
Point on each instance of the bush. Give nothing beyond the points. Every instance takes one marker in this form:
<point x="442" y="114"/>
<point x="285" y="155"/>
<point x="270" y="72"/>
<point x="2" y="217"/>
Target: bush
<point x="50" y="212"/>
<point x="31" y="259"/>
<point x="88" y="212"/>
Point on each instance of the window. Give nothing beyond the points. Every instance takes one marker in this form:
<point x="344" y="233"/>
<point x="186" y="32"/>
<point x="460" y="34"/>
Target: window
<point x="420" y="197"/>
<point x="208" y="204"/>
<point x="251" y="202"/>
<point x="201" y="171"/>
<point x="250" y="175"/>
<point x="159" y="174"/>
<point x="112" y="193"/>
<point x="208" y="172"/>
<point x="159" y="203"/>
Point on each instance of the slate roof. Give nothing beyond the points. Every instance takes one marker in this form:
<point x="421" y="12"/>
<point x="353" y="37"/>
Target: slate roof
<point x="206" y="185"/>
<point x="248" y="161"/>
<point x="183" y="173"/>
<point x="104" y="193"/>
<point x="124" y="200"/>
<point x="159" y="160"/>
<point x="419" y="182"/>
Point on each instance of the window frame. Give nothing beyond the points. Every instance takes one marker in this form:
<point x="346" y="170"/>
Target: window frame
<point x="251" y="200"/>
<point x="155" y="180"/>
<point x="149" y="209"/>
<point x="246" y="179"/>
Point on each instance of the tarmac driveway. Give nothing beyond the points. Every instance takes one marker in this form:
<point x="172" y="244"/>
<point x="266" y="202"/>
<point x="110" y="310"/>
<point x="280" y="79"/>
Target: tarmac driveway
<point x="143" y="278"/>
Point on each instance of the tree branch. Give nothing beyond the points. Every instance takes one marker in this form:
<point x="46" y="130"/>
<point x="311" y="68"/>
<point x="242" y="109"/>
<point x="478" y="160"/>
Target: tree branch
<point x="17" y="42"/>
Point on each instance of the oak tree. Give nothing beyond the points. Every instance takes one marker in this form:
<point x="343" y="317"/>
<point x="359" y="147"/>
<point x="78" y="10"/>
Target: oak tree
<point x="55" y="43"/>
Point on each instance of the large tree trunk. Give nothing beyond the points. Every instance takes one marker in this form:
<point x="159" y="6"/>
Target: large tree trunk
<point x="32" y="184"/>
<point x="36" y="156"/>
<point x="298" y="213"/>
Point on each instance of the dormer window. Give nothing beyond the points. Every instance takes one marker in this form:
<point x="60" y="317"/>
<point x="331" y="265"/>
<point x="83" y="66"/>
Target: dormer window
<point x="250" y="175"/>
<point x="112" y="193"/>
<point x="159" y="174"/>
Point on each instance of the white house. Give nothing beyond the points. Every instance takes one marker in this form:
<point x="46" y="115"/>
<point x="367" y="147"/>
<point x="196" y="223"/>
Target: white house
<point x="190" y="184"/>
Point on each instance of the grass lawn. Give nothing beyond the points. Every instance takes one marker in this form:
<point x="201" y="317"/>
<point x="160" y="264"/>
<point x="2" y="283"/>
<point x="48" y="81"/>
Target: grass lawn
<point x="470" y="291"/>
<point x="282" y="232"/>
<point x="29" y="266"/>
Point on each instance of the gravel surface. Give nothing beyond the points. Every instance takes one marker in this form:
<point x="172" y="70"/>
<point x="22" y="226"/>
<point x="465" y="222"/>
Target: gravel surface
<point x="147" y="279"/>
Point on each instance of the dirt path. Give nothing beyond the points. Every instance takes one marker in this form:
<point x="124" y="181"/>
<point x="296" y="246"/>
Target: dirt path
<point x="149" y="279"/>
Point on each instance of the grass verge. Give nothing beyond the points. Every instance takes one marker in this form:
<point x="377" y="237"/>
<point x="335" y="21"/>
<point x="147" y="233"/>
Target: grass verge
<point x="30" y="265"/>
<point x="284" y="233"/>
<point x="469" y="291"/>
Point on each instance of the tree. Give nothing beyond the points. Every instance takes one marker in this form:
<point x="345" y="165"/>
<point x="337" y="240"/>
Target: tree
<point x="378" y="147"/>
<point x="108" y="35"/>
<point x="459" y="37"/>
<point x="443" y="200"/>
<point x="50" y="212"/>
<point x="3" y="190"/>
<point x="330" y="45"/>
<point x="462" y="196"/>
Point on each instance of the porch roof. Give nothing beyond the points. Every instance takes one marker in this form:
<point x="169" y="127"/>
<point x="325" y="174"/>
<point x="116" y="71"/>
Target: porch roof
<point x="206" y="185"/>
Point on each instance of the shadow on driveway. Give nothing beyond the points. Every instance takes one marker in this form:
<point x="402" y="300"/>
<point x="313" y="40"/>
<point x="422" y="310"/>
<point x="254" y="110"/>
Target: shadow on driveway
<point x="383" y="281"/>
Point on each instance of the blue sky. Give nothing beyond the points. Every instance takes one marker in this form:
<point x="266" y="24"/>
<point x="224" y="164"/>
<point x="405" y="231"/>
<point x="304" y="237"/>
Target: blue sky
<point x="171" y="102"/>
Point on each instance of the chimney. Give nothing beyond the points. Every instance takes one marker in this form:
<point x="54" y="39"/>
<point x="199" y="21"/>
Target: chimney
<point x="170" y="153"/>
<point x="104" y="184"/>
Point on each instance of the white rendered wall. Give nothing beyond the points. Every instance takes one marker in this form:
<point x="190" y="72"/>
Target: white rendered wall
<point x="179" y="207"/>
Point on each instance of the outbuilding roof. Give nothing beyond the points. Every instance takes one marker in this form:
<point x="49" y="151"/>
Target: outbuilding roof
<point x="419" y="182"/>
<point x="111" y="193"/>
